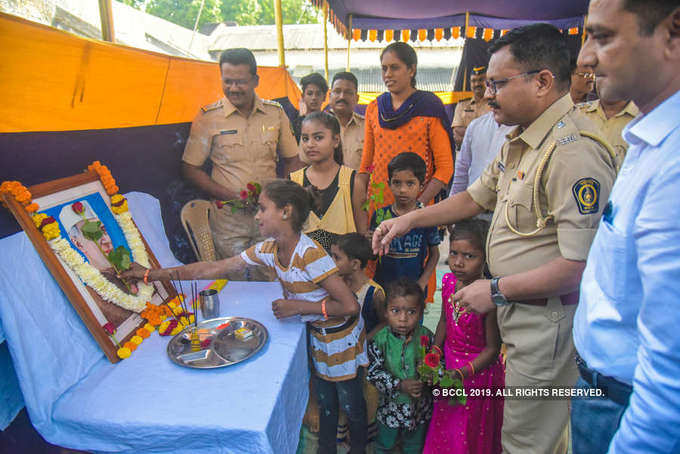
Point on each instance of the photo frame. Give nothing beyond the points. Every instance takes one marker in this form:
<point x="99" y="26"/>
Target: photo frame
<point x="87" y="192"/>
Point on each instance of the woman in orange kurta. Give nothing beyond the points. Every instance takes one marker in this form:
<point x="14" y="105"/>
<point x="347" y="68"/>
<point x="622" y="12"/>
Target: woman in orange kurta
<point x="405" y="119"/>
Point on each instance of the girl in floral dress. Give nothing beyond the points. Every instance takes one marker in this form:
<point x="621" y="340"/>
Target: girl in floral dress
<point x="471" y="345"/>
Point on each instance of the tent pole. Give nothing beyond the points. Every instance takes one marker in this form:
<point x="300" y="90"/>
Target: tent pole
<point x="278" y="16"/>
<point x="467" y="21"/>
<point x="198" y="18"/>
<point x="349" y="39"/>
<point x="325" y="39"/>
<point x="106" y="16"/>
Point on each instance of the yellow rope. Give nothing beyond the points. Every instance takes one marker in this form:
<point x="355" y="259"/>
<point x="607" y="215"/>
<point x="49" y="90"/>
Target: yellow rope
<point x="541" y="221"/>
<point x="601" y="141"/>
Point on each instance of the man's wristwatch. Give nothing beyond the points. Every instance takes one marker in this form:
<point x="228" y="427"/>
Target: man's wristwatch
<point x="496" y="296"/>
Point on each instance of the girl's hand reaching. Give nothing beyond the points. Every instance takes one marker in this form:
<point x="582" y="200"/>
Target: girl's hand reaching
<point x="136" y="271"/>
<point x="283" y="308"/>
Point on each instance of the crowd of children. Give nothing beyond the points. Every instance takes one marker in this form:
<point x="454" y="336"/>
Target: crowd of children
<point x="366" y="335"/>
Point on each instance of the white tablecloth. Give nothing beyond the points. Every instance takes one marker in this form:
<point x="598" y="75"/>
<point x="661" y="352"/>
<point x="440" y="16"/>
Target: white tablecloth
<point x="77" y="399"/>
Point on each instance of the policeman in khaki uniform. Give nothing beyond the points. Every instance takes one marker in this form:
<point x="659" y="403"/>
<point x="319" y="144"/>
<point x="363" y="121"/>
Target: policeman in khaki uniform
<point x="243" y="136"/>
<point x="470" y="108"/>
<point x="611" y="118"/>
<point x="343" y="99"/>
<point x="547" y="188"/>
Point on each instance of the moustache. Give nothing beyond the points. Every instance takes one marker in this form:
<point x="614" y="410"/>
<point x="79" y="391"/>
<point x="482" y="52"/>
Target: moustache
<point x="494" y="105"/>
<point x="339" y="101"/>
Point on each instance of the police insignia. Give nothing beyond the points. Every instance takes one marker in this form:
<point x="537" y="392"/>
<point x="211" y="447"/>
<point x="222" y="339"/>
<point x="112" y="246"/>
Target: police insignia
<point x="587" y="194"/>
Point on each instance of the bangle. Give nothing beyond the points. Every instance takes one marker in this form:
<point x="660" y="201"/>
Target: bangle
<point x="472" y="368"/>
<point x="462" y="377"/>
<point x="146" y="276"/>
<point x="323" y="308"/>
<point x="439" y="350"/>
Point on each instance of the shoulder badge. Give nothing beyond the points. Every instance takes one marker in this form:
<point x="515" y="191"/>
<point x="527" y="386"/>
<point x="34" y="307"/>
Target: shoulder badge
<point x="269" y="102"/>
<point x="213" y="106"/>
<point x="586" y="191"/>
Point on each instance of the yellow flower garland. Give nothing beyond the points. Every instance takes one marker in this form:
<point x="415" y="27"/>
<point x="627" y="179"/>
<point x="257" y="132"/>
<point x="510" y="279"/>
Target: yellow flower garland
<point x="91" y="276"/>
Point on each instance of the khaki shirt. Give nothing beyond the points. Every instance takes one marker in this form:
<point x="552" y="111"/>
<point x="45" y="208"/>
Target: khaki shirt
<point x="352" y="137"/>
<point x="574" y="188"/>
<point x="467" y="110"/>
<point x="241" y="149"/>
<point x="611" y="127"/>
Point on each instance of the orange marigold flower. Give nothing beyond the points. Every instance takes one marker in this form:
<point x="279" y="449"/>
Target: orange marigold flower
<point x="130" y="345"/>
<point x="112" y="189"/>
<point x="143" y="333"/>
<point x="33" y="207"/>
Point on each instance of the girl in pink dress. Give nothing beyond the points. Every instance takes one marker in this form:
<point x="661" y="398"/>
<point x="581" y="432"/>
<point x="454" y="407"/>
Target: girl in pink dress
<point x="471" y="345"/>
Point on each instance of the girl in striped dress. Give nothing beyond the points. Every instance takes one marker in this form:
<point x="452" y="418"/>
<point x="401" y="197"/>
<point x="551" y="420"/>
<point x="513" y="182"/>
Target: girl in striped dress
<point x="314" y="291"/>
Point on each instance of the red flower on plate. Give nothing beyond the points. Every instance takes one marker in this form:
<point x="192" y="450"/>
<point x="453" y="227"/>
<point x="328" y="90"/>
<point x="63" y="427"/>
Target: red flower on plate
<point x="432" y="360"/>
<point x="244" y="195"/>
<point x="78" y="208"/>
<point x="424" y="341"/>
<point x="108" y="326"/>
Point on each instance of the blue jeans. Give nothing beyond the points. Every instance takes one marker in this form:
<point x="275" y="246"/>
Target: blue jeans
<point x="594" y="421"/>
<point x="348" y="395"/>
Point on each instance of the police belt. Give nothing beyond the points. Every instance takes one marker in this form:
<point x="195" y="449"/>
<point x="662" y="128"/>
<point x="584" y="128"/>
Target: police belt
<point x="569" y="299"/>
<point x="615" y="390"/>
<point x="335" y="329"/>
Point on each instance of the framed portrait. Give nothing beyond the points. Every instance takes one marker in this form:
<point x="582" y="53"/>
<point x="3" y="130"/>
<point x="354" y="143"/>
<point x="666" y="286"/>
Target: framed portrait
<point x="90" y="238"/>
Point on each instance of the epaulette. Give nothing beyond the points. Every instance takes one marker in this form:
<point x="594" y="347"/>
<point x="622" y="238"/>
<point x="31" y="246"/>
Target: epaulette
<point x="359" y="115"/>
<point x="272" y="103"/>
<point x="584" y="105"/>
<point x="213" y="106"/>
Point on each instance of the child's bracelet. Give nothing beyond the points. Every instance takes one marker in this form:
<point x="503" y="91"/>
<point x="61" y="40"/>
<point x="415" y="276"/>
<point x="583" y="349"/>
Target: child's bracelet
<point x="439" y="350"/>
<point x="323" y="308"/>
<point x="146" y="276"/>
<point x="472" y="368"/>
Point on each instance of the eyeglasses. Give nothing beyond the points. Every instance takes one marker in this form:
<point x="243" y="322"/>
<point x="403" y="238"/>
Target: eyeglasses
<point x="237" y="82"/>
<point x="586" y="75"/>
<point x="494" y="85"/>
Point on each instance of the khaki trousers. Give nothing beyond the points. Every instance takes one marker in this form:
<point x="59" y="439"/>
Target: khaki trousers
<point x="232" y="234"/>
<point x="540" y="352"/>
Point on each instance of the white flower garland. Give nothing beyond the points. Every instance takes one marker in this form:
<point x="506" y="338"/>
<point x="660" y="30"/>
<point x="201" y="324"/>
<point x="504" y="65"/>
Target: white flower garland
<point x="96" y="280"/>
<point x="133" y="238"/>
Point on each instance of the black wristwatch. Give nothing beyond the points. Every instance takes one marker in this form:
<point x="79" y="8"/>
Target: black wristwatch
<point x="496" y="296"/>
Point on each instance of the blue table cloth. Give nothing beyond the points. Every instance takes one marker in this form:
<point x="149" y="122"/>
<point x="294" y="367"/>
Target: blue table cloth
<point x="77" y="399"/>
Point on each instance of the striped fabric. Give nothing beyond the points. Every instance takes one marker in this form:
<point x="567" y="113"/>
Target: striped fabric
<point x="338" y="355"/>
<point x="309" y="265"/>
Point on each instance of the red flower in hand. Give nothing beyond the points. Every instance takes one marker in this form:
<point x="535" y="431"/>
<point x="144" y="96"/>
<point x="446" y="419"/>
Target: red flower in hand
<point x="251" y="187"/>
<point x="244" y="195"/>
<point x="108" y="326"/>
<point x="219" y="203"/>
<point x="432" y="360"/>
<point x="78" y="208"/>
<point x="424" y="341"/>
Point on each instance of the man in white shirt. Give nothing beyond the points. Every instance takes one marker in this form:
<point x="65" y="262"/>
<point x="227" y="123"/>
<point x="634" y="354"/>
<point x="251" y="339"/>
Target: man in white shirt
<point x="626" y="325"/>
